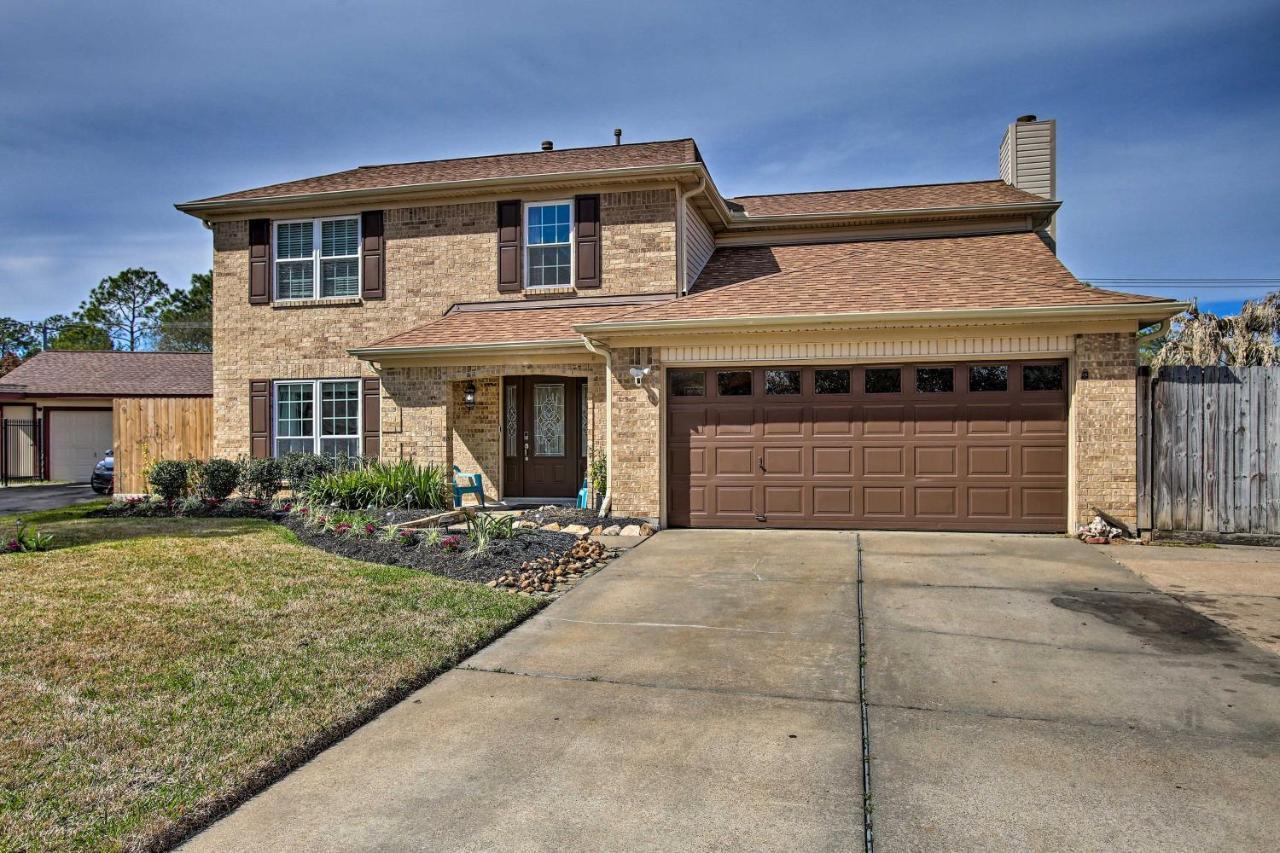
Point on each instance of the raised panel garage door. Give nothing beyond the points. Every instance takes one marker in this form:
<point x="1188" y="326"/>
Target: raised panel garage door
<point x="77" y="440"/>
<point x="962" y="446"/>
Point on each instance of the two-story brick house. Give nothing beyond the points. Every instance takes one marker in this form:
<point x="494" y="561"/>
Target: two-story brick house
<point x="912" y="357"/>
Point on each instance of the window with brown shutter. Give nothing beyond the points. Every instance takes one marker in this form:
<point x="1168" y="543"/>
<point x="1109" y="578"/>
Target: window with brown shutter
<point x="372" y="256"/>
<point x="587" y="237"/>
<point x="508" y="246"/>
<point x="259" y="418"/>
<point x="259" y="261"/>
<point x="371" y="410"/>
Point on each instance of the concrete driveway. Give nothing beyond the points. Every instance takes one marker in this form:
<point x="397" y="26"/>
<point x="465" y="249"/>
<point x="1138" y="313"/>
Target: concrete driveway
<point x="1029" y="693"/>
<point x="699" y="694"/>
<point x="1026" y="692"/>
<point x="18" y="499"/>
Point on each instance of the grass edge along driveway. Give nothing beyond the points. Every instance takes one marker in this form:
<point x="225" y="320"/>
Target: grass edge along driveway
<point x="158" y="671"/>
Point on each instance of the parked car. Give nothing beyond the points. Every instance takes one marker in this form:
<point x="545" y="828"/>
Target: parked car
<point x="103" y="480"/>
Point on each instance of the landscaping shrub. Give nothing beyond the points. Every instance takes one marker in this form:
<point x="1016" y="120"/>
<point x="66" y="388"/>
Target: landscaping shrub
<point x="300" y="469"/>
<point x="385" y="485"/>
<point x="483" y="528"/>
<point x="216" y="479"/>
<point x="169" y="478"/>
<point x="598" y="475"/>
<point x="26" y="538"/>
<point x="260" y="479"/>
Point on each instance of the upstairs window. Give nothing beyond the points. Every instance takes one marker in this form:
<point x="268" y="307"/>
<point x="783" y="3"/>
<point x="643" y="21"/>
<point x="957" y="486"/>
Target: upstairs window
<point x="317" y="258"/>
<point x="549" y="244"/>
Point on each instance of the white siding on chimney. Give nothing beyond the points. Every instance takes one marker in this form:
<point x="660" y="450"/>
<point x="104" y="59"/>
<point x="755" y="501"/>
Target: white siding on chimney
<point x="701" y="244"/>
<point x="1027" y="157"/>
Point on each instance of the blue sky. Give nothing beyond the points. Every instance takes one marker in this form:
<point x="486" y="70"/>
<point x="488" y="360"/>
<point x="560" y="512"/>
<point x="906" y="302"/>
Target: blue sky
<point x="1168" y="113"/>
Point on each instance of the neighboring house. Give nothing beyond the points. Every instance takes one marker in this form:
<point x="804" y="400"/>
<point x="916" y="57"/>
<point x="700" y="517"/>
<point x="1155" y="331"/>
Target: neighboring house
<point x="71" y="395"/>
<point x="910" y="357"/>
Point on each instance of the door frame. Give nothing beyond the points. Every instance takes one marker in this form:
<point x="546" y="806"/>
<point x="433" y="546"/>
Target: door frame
<point x="513" y="474"/>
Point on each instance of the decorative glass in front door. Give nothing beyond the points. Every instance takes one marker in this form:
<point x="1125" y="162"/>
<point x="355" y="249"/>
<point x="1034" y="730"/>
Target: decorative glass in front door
<point x="548" y="419"/>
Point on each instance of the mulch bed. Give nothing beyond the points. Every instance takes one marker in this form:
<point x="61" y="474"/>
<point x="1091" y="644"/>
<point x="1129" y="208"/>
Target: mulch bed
<point x="502" y="555"/>
<point x="534" y="553"/>
<point x="564" y="515"/>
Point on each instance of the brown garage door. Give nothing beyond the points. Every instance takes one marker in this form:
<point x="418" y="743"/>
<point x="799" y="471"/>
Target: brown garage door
<point x="965" y="446"/>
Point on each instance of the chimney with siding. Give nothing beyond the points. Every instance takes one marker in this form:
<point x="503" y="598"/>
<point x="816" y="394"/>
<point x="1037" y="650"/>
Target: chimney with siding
<point x="1028" y="155"/>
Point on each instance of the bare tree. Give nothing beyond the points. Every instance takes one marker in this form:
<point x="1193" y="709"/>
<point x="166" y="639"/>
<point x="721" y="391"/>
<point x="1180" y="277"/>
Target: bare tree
<point x="1250" y="338"/>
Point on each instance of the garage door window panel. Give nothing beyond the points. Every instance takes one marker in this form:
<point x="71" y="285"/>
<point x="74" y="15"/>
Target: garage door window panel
<point x="883" y="380"/>
<point x="1042" y="377"/>
<point x="935" y="380"/>
<point x="827" y="382"/>
<point x="779" y="383"/>
<point x="733" y="383"/>
<point x="988" y="377"/>
<point x="688" y="383"/>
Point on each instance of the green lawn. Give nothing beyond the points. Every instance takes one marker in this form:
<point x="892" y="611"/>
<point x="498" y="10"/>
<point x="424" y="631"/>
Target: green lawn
<point x="153" y="669"/>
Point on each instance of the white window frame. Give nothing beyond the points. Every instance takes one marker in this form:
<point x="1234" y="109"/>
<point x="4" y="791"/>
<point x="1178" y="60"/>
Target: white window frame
<point x="317" y="414"/>
<point x="573" y="233"/>
<point x="316" y="259"/>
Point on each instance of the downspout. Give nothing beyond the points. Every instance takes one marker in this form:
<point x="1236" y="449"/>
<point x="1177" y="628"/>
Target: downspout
<point x="1158" y="332"/>
<point x="682" y="214"/>
<point x="602" y="350"/>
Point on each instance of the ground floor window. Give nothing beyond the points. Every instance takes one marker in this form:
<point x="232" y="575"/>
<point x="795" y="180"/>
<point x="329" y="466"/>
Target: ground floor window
<point x="331" y="429"/>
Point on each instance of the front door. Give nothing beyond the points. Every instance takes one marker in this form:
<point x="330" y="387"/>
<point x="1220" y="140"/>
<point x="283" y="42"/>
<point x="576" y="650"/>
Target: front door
<point x="541" y="436"/>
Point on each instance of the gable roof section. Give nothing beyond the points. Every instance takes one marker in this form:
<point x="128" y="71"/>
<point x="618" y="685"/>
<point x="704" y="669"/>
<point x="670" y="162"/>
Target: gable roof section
<point x="497" y="327"/>
<point x="112" y="374"/>
<point x="917" y="197"/>
<point x="946" y="273"/>
<point x="529" y="163"/>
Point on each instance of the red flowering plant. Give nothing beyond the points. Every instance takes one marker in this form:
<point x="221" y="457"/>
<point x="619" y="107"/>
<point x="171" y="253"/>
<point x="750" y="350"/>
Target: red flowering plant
<point x="451" y="543"/>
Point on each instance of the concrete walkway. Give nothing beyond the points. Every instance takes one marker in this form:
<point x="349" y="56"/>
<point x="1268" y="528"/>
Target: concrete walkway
<point x="1028" y="693"/>
<point x="19" y="499"/>
<point x="698" y="694"/>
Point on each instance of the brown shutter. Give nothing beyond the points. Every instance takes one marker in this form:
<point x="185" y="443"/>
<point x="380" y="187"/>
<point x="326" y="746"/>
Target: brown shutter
<point x="508" y="246"/>
<point x="587" y="232"/>
<point x="259" y="261"/>
<point x="371" y="415"/>
<point x="259" y="418"/>
<point x="372" y="256"/>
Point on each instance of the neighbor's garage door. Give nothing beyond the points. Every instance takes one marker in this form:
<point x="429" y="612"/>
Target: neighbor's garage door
<point x="77" y="440"/>
<point x="979" y="446"/>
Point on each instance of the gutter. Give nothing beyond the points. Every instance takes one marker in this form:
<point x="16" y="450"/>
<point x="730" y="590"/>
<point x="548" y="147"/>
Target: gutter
<point x="914" y="317"/>
<point x="602" y="350"/>
<point x="367" y="353"/>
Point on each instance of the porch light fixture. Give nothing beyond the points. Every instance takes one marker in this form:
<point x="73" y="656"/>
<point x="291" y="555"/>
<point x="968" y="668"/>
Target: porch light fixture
<point x="469" y="396"/>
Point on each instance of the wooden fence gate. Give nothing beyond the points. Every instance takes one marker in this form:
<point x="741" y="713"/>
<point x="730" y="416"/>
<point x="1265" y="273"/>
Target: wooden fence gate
<point x="1209" y="453"/>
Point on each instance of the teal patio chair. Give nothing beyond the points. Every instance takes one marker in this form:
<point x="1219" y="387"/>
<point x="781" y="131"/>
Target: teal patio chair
<point x="473" y="484"/>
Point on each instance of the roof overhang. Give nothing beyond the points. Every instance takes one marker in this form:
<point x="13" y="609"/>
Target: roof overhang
<point x="203" y="209"/>
<point x="1142" y="313"/>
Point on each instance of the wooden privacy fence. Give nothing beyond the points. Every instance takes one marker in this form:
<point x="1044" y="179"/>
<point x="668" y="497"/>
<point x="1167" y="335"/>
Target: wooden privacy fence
<point x="148" y="429"/>
<point x="1209" y="452"/>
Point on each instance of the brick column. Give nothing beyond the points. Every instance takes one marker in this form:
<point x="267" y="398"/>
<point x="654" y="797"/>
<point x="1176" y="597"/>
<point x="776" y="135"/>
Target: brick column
<point x="1106" y="431"/>
<point x="637" y="429"/>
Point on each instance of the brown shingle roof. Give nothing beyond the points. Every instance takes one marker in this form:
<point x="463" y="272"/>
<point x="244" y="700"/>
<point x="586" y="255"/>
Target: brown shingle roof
<point x="511" y="325"/>
<point x="674" y="152"/>
<point x="996" y="271"/>
<point x="921" y="196"/>
<point x="113" y="374"/>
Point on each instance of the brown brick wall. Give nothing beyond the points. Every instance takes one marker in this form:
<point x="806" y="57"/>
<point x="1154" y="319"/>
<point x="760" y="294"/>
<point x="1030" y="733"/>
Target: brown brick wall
<point x="1105" y="407"/>
<point x="436" y="256"/>
<point x="637" y="431"/>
